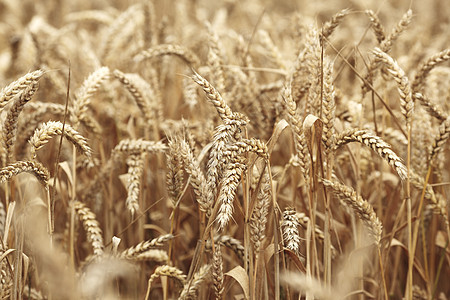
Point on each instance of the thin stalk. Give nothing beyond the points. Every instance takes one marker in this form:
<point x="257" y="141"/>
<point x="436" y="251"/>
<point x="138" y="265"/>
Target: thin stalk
<point x="382" y="274"/>
<point x="411" y="240"/>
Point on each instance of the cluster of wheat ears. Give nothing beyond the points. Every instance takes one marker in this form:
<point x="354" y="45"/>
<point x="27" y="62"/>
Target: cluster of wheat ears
<point x="224" y="150"/>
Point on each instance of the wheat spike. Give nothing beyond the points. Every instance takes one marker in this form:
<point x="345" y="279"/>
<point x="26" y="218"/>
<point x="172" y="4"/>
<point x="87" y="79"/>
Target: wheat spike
<point x="169" y="49"/>
<point x="91" y="226"/>
<point x="291" y="234"/>
<point x="33" y="167"/>
<point x="377" y="144"/>
<point x="360" y="206"/>
<point x="229" y="184"/>
<point x="145" y="246"/>
<point x="190" y="289"/>
<point x="404" y="89"/>
<point x="135" y="169"/>
<point x="18" y="86"/>
<point x="47" y="130"/>
<point x="376" y="26"/>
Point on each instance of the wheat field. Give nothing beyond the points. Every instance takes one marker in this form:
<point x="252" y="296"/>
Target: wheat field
<point x="193" y="149"/>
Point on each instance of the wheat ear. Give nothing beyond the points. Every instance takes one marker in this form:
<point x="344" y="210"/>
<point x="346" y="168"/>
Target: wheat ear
<point x="135" y="169"/>
<point x="33" y="167"/>
<point x="91" y="226"/>
<point x="132" y="146"/>
<point x="84" y="94"/>
<point x="360" y="206"/>
<point x="230" y="182"/>
<point x="168" y="271"/>
<point x="329" y="27"/>
<point x="404" y="89"/>
<point x="143" y="247"/>
<point x="190" y="288"/>
<point x="377" y="144"/>
<point x="376" y="26"/>
<point x="432" y="108"/>
<point x="426" y="67"/>
<point x="198" y="180"/>
<point x="47" y="130"/>
<point x="18" y="86"/>
<point x="169" y="49"/>
<point x="231" y="243"/>
<point x="401" y="26"/>
<point x="217" y="272"/>
<point x="440" y="139"/>
<point x="133" y="83"/>
<point x="10" y="124"/>
<point x="116" y="27"/>
<point x="259" y="216"/>
<point x="289" y="227"/>
<point x="175" y="173"/>
<point x="214" y="96"/>
<point x="328" y="107"/>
